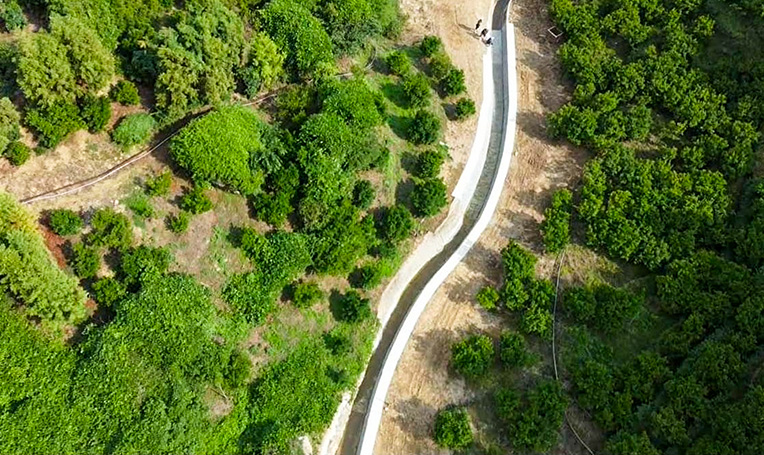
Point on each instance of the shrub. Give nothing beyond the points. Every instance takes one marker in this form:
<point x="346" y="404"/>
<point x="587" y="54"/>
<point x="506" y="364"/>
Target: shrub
<point x="428" y="197"/>
<point x="513" y="352"/>
<point x="53" y="124"/>
<point x="363" y="194"/>
<point x="453" y="83"/>
<point x="367" y="276"/>
<point x="18" y="153"/>
<point x="428" y="164"/>
<point x="159" y="185"/>
<point x="452" y="428"/>
<point x="135" y="129"/>
<point x="488" y="297"/>
<point x="465" y="107"/>
<point x="110" y="230"/>
<point x="472" y="356"/>
<point x="140" y="206"/>
<point x="425" y="128"/>
<point x="306" y="294"/>
<point x="12" y="16"/>
<point x="416" y="87"/>
<point x="440" y="65"/>
<point x="179" y="223"/>
<point x="65" y="222"/>
<point x="353" y="308"/>
<point x="395" y="224"/>
<point x="195" y="201"/>
<point x="533" y="421"/>
<point x="556" y="225"/>
<point x="95" y="112"/>
<point x="9" y="121"/>
<point x="265" y="65"/>
<point x="85" y="261"/>
<point x="430" y="45"/>
<point x="399" y="63"/>
<point x="125" y="93"/>
<point x="141" y="262"/>
<point x="108" y="291"/>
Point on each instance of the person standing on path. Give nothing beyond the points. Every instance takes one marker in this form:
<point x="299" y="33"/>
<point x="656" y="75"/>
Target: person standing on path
<point x="477" y="26"/>
<point x="484" y="33"/>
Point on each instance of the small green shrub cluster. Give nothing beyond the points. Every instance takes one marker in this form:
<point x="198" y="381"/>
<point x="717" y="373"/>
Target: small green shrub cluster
<point x="602" y="307"/>
<point x="179" y="223"/>
<point x="396" y="224"/>
<point x="416" y="87"/>
<point x="159" y="185"/>
<point x="140" y="205"/>
<point x="363" y="194"/>
<point x="95" y="112"/>
<point x="65" y="222"/>
<point x="555" y="228"/>
<point x="125" y="93"/>
<point x="429" y="197"/>
<point x="353" y="308"/>
<point x="110" y="230"/>
<point x="135" y="129"/>
<point x="473" y="356"/>
<point x="18" y="153"/>
<point x="464" y="108"/>
<point x="306" y="294"/>
<point x="142" y="263"/>
<point x="399" y="63"/>
<point x="196" y="201"/>
<point x="86" y="260"/>
<point x="430" y="45"/>
<point x="428" y="164"/>
<point x="425" y="128"/>
<point x="488" y="297"/>
<point x="108" y="291"/>
<point x="9" y="120"/>
<point x="452" y="428"/>
<point x="52" y="124"/>
<point x="12" y="16"/>
<point x="444" y="73"/>
<point x="534" y="418"/>
<point x="513" y="352"/>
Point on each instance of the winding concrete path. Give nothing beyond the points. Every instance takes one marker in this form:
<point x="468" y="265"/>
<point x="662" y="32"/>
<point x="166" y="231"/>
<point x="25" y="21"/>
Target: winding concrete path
<point x="476" y="197"/>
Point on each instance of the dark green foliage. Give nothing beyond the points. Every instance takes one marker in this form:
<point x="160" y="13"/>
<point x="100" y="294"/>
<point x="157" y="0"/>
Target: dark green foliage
<point x="354" y="101"/>
<point x="416" y="87"/>
<point x="265" y="65"/>
<point x="343" y="241"/>
<point x="537" y="315"/>
<point x="453" y="83"/>
<point x="429" y="197"/>
<point x="556" y="225"/>
<point x="9" y="122"/>
<point x="430" y="45"/>
<point x="179" y="223"/>
<point x="142" y="264"/>
<point x="306" y="294"/>
<point x="452" y="428"/>
<point x="159" y="185"/>
<point x="95" y="112"/>
<point x="196" y="201"/>
<point x="221" y="148"/>
<point x="534" y="420"/>
<point x="625" y="443"/>
<point x="473" y="356"/>
<point x="363" y="194"/>
<point x="428" y="164"/>
<point x="602" y="307"/>
<point x="367" y="276"/>
<point x="17" y="153"/>
<point x="85" y="260"/>
<point x="278" y="203"/>
<point x="12" y="16"/>
<point x="294" y="105"/>
<point x="65" y="222"/>
<point x="518" y="263"/>
<point x="54" y="123"/>
<point x="487" y="297"/>
<point x="135" y="129"/>
<point x="399" y="63"/>
<point x="353" y="308"/>
<point x="425" y="128"/>
<point x="110" y="230"/>
<point x="108" y="291"/>
<point x="395" y="224"/>
<point x="464" y="108"/>
<point x="125" y="93"/>
<point x="513" y="351"/>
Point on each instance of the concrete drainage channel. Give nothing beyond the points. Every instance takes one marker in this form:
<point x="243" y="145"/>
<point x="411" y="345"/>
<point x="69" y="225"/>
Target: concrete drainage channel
<point x="354" y="430"/>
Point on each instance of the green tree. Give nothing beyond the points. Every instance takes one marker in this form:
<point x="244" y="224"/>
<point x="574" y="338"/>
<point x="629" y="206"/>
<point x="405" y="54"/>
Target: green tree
<point x="425" y="128"/>
<point x="353" y="308"/>
<point x="65" y="222"/>
<point x="363" y="194"/>
<point x="95" y="112"/>
<point x="108" y="291"/>
<point x="85" y="261"/>
<point x="126" y="93"/>
<point x="453" y="83"/>
<point x="429" y="197"/>
<point x="513" y="351"/>
<point x="428" y="164"/>
<point x="395" y="224"/>
<point x="9" y="124"/>
<point x="135" y="129"/>
<point x="196" y="201"/>
<point x="54" y="123"/>
<point x="464" y="108"/>
<point x="473" y="356"/>
<point x="556" y="225"/>
<point x="399" y="63"/>
<point x="488" y="297"/>
<point x="110" y="230"/>
<point x="452" y="428"/>
<point x="306" y="294"/>
<point x="18" y="153"/>
<point x="264" y="67"/>
<point x="430" y="45"/>
<point x="416" y="87"/>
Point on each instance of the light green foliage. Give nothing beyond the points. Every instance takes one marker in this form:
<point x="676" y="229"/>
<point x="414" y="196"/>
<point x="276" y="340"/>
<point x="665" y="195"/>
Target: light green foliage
<point x="95" y="112"/>
<point x="110" y="230"/>
<point x="18" y="153"/>
<point x="430" y="45"/>
<point x="464" y="108"/>
<point x="306" y="294"/>
<point x="54" y="123"/>
<point x="195" y="201"/>
<point x="159" y="185"/>
<point x="518" y="262"/>
<point x="439" y="66"/>
<point x="265" y="65"/>
<point x="344" y="240"/>
<point x="354" y="101"/>
<point x="300" y="36"/>
<point x="556" y="225"/>
<point x="85" y="261"/>
<point x="453" y="83"/>
<point x="135" y="129"/>
<point x="425" y="128"/>
<point x="452" y="428"/>
<point x="399" y="63"/>
<point x="533" y="419"/>
<point x="28" y="272"/>
<point x="220" y="146"/>
<point x="488" y="297"/>
<point x="108" y="291"/>
<point x="125" y="92"/>
<point x="352" y="308"/>
<point x="473" y="356"/>
<point x="179" y="223"/>
<point x="416" y="87"/>
<point x="395" y="224"/>
<point x="9" y="123"/>
<point x="429" y="197"/>
<point x="140" y="205"/>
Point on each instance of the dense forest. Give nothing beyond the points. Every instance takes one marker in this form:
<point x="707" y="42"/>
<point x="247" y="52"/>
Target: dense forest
<point x="111" y="346"/>
<point x="667" y="96"/>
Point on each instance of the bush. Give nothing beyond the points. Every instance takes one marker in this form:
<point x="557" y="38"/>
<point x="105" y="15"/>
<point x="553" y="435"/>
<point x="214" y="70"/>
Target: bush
<point x="195" y="201"/>
<point x="142" y="262"/>
<point x="85" y="261"/>
<point x="533" y="421"/>
<point x="416" y="87"/>
<point x="12" y="16"/>
<point x="125" y="93"/>
<point x="265" y="65"/>
<point x="367" y="276"/>
<point x="353" y="308"/>
<point x="430" y="45"/>
<point x="140" y="206"/>
<point x="472" y="356"/>
<point x="18" y="153"/>
<point x="135" y="129"/>
<point x="110" y="230"/>
<point x="452" y="428"/>
<point x="108" y="291"/>
<point x="453" y="83"/>
<point x="306" y="294"/>
<point x="95" y="112"/>
<point x="556" y="225"/>
<point x="428" y="197"/>
<point x="178" y="223"/>
<point x="428" y="164"/>
<point x="53" y="124"/>
<point x="465" y="107"/>
<point x="425" y="128"/>
<point x="363" y="194"/>
<point x="159" y="185"/>
<point x="513" y="352"/>
<point x="395" y="224"/>
<point x="488" y="297"/>
<point x="399" y="63"/>
<point x="65" y="222"/>
<point x="440" y="65"/>
<point x="9" y="119"/>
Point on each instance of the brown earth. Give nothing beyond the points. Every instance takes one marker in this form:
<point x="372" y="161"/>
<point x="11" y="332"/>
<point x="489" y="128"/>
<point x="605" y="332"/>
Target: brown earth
<point x="423" y="382"/>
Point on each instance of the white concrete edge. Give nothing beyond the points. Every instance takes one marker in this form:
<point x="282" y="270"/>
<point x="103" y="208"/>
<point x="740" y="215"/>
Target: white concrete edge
<point x="432" y="244"/>
<point x="394" y="354"/>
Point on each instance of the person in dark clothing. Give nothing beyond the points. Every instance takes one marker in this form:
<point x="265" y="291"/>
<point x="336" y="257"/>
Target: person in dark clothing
<point x="484" y="33"/>
<point x="477" y="26"/>
<point x="489" y="42"/>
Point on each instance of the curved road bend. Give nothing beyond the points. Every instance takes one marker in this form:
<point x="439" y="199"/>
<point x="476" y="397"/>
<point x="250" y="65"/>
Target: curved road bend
<point x="357" y="424"/>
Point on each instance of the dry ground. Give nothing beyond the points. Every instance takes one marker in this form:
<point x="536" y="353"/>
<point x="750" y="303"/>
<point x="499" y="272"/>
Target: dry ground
<point x="423" y="382"/>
